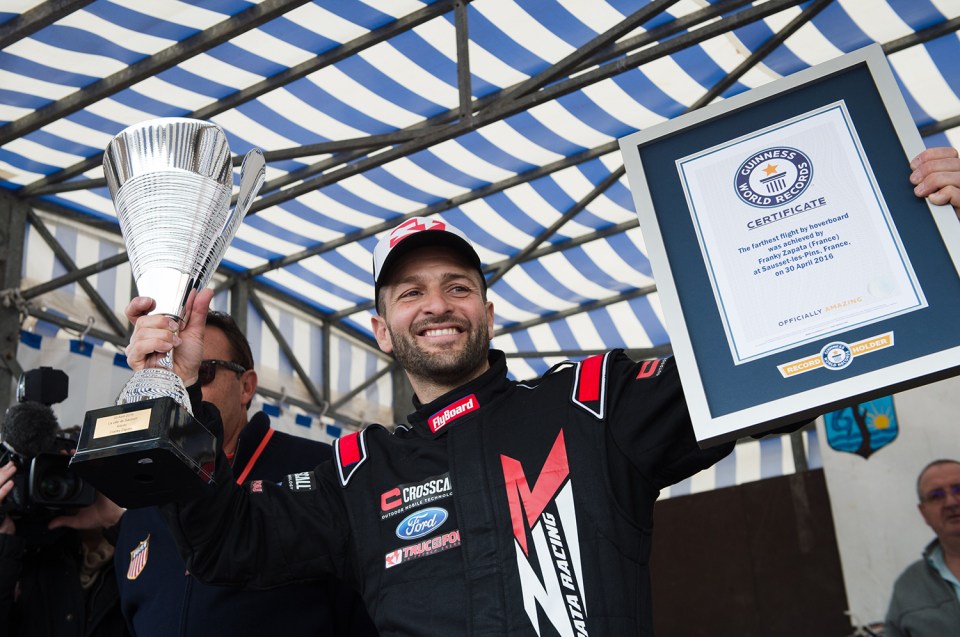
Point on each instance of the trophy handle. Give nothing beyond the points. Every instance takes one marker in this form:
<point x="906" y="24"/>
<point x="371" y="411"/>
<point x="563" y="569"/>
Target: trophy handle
<point x="252" y="175"/>
<point x="253" y="172"/>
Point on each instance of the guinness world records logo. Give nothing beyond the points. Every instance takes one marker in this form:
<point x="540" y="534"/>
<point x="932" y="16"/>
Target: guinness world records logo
<point x="773" y="177"/>
<point x="836" y="355"/>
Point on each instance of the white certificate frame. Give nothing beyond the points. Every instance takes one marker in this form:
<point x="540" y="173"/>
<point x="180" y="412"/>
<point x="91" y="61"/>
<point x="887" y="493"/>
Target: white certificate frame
<point x="815" y="377"/>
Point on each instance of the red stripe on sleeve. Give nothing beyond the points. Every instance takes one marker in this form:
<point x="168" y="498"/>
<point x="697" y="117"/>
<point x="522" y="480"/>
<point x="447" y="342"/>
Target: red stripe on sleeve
<point x="349" y="449"/>
<point x="589" y="389"/>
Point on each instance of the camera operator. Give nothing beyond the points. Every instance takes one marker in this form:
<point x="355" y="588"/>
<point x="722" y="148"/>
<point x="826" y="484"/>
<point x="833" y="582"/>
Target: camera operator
<point x="56" y="578"/>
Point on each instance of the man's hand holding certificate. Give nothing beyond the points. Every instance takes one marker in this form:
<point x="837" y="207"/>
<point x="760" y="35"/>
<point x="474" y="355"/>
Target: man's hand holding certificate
<point x="936" y="175"/>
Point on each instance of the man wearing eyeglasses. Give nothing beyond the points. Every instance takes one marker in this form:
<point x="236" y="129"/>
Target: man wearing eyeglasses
<point x="926" y="596"/>
<point x="157" y="594"/>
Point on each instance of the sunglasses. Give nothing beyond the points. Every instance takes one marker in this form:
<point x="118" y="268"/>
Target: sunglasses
<point x="940" y="495"/>
<point x="208" y="369"/>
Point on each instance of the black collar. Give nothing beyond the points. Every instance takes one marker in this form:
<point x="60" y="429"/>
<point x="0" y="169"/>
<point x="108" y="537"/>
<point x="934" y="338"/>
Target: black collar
<point x="436" y="417"/>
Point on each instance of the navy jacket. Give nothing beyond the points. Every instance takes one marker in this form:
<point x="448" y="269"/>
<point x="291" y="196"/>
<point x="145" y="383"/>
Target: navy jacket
<point x="158" y="596"/>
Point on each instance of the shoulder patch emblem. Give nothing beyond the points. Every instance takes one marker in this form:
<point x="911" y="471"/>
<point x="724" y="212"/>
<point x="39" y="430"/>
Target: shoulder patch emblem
<point x="138" y="559"/>
<point x="590" y="384"/>
<point x="349" y="452"/>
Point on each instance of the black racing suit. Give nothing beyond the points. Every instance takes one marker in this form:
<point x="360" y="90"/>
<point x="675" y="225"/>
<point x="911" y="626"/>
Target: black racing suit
<point x="503" y="506"/>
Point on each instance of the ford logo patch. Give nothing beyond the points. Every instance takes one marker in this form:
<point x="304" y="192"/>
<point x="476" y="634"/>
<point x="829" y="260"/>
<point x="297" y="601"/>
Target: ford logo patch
<point x="421" y="523"/>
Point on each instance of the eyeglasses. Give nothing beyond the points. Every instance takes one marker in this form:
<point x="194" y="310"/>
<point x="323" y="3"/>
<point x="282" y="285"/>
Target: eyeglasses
<point x="937" y="496"/>
<point x="208" y="369"/>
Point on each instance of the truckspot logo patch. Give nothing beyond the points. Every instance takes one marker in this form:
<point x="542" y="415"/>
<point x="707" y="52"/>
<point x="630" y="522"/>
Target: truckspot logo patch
<point x="451" y="412"/>
<point x="423" y="548"/>
<point x="421" y="523"/>
<point x="773" y="176"/>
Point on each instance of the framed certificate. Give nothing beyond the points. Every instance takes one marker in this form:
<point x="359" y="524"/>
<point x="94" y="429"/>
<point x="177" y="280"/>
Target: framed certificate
<point x="797" y="271"/>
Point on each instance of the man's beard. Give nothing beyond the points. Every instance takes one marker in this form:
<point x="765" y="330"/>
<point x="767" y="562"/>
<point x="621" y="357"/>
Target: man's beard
<point x="442" y="367"/>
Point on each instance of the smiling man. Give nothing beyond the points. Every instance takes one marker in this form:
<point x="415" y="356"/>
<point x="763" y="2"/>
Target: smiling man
<point x="926" y="597"/>
<point x="440" y="323"/>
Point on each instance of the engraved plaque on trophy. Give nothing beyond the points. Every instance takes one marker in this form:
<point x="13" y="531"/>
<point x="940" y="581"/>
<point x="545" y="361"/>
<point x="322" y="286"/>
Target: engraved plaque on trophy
<point x="171" y="181"/>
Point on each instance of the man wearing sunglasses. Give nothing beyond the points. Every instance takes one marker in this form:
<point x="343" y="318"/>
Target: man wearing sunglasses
<point x="926" y="597"/>
<point x="158" y="596"/>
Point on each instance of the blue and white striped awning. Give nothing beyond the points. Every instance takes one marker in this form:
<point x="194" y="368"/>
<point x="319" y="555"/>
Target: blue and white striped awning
<point x="504" y="160"/>
<point x="96" y="374"/>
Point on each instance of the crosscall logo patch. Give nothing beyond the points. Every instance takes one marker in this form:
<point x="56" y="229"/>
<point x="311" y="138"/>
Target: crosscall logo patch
<point x="406" y="497"/>
<point x="773" y="177"/>
<point x="420" y="523"/>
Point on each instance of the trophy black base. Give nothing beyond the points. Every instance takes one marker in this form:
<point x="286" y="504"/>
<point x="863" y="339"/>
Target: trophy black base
<point x="145" y="453"/>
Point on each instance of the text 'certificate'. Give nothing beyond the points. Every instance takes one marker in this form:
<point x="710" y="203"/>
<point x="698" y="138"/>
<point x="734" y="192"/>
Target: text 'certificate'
<point x="796" y="237"/>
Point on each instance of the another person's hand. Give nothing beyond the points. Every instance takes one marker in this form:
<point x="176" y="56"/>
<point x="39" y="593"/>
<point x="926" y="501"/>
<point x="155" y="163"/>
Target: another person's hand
<point x="936" y="175"/>
<point x="7" y="527"/>
<point x="155" y="334"/>
<point x="103" y="513"/>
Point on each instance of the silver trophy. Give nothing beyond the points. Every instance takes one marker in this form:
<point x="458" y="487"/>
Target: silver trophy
<point x="171" y="180"/>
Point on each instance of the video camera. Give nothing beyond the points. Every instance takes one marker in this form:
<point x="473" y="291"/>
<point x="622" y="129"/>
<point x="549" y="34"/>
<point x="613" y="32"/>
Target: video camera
<point x="31" y="438"/>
